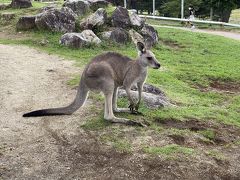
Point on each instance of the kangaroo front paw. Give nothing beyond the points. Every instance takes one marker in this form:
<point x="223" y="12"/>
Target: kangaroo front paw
<point x="137" y="113"/>
<point x="131" y="107"/>
<point x="137" y="106"/>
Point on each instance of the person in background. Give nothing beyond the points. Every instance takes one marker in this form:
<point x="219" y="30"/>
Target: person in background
<point x="191" y="16"/>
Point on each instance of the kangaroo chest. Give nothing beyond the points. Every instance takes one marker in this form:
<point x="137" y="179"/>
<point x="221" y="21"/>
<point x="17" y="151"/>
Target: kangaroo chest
<point x="142" y="76"/>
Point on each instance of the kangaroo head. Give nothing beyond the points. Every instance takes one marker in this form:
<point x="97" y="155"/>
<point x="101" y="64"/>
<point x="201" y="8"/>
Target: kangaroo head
<point x="146" y="57"/>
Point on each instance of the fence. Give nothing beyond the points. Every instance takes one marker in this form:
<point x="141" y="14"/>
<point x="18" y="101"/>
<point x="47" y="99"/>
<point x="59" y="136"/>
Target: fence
<point x="182" y="19"/>
<point x="187" y="20"/>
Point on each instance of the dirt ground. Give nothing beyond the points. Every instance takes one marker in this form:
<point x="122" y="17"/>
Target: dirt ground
<point x="59" y="148"/>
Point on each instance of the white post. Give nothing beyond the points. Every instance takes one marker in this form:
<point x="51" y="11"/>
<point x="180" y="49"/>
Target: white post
<point x="125" y="3"/>
<point x="154" y="8"/>
<point x="182" y="9"/>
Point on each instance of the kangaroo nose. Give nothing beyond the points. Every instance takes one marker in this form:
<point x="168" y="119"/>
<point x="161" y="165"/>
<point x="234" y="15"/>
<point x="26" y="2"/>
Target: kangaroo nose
<point x="158" y="65"/>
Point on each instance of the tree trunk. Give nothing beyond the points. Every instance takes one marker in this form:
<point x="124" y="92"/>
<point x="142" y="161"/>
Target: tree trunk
<point x="226" y="15"/>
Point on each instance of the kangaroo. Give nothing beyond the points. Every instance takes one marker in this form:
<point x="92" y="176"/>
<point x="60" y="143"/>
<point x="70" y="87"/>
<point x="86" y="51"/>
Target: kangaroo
<point x="105" y="73"/>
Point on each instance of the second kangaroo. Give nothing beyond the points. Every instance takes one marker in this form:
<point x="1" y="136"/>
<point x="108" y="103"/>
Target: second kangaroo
<point x="105" y="73"/>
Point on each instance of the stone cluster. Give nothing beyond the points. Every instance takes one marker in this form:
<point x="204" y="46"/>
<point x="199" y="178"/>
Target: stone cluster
<point x="82" y="29"/>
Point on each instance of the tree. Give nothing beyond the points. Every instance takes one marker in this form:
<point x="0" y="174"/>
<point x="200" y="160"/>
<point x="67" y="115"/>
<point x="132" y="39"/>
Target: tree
<point x="219" y="9"/>
<point x="223" y="8"/>
<point x="172" y="8"/>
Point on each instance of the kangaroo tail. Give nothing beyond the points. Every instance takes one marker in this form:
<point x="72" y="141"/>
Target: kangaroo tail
<point x="76" y="104"/>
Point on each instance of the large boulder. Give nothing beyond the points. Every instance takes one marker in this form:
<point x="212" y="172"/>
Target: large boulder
<point x="21" y="4"/>
<point x="79" y="7"/>
<point x="136" y="37"/>
<point x="96" y="19"/>
<point x="26" y="23"/>
<point x="56" y="20"/>
<point x="96" y="4"/>
<point x="136" y="21"/>
<point x="78" y="40"/>
<point x="150" y="34"/>
<point x="152" y="96"/>
<point x="106" y="35"/>
<point x="120" y="18"/>
<point x="119" y="35"/>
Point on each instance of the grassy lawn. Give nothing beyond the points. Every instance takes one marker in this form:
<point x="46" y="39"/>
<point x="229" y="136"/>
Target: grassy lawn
<point x="192" y="64"/>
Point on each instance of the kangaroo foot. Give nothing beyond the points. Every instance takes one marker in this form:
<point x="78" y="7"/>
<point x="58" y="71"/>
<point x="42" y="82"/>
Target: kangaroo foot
<point x="137" y="113"/>
<point x="127" y="122"/>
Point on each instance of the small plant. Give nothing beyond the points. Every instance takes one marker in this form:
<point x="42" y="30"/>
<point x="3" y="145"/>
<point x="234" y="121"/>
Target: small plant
<point x="95" y="124"/>
<point x="209" y="134"/>
<point x="169" y="150"/>
<point x="120" y="144"/>
<point x="216" y="154"/>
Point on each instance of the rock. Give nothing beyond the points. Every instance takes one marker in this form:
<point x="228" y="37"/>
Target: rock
<point x="21" y="4"/>
<point x="136" y="37"/>
<point x="120" y="18"/>
<point x="78" y="40"/>
<point x="96" y="4"/>
<point x="150" y="34"/>
<point x="152" y="96"/>
<point x="43" y="42"/>
<point x="119" y="35"/>
<point x="91" y="37"/>
<point x="79" y="7"/>
<point x="96" y="19"/>
<point x="106" y="35"/>
<point x="136" y="20"/>
<point x="46" y="8"/>
<point x="56" y="20"/>
<point x="26" y="23"/>
<point x="4" y="6"/>
<point x="7" y="16"/>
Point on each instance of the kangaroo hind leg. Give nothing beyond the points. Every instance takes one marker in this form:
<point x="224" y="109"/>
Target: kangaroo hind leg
<point x="114" y="103"/>
<point x="108" y="112"/>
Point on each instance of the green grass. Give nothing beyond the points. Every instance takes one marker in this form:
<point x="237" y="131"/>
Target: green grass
<point x="209" y="134"/>
<point x="216" y="154"/>
<point x="120" y="144"/>
<point x="169" y="150"/>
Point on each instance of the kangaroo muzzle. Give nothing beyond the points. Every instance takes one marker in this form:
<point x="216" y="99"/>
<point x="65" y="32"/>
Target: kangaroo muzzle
<point x="156" y="66"/>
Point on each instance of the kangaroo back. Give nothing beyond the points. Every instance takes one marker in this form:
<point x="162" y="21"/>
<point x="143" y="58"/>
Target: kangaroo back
<point x="76" y="104"/>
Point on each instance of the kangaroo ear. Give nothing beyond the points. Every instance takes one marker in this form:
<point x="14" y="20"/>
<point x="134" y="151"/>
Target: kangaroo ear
<point x="148" y="43"/>
<point x="140" y="47"/>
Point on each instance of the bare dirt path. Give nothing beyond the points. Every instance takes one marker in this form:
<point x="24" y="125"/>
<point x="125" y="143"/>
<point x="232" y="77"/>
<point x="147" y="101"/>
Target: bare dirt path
<point x="29" y="80"/>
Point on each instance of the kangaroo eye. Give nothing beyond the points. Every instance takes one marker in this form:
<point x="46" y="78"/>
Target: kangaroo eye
<point x="149" y="58"/>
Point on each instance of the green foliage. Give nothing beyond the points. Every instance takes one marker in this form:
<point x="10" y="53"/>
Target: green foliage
<point x="216" y="154"/>
<point x="172" y="8"/>
<point x="209" y="134"/>
<point x="235" y="16"/>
